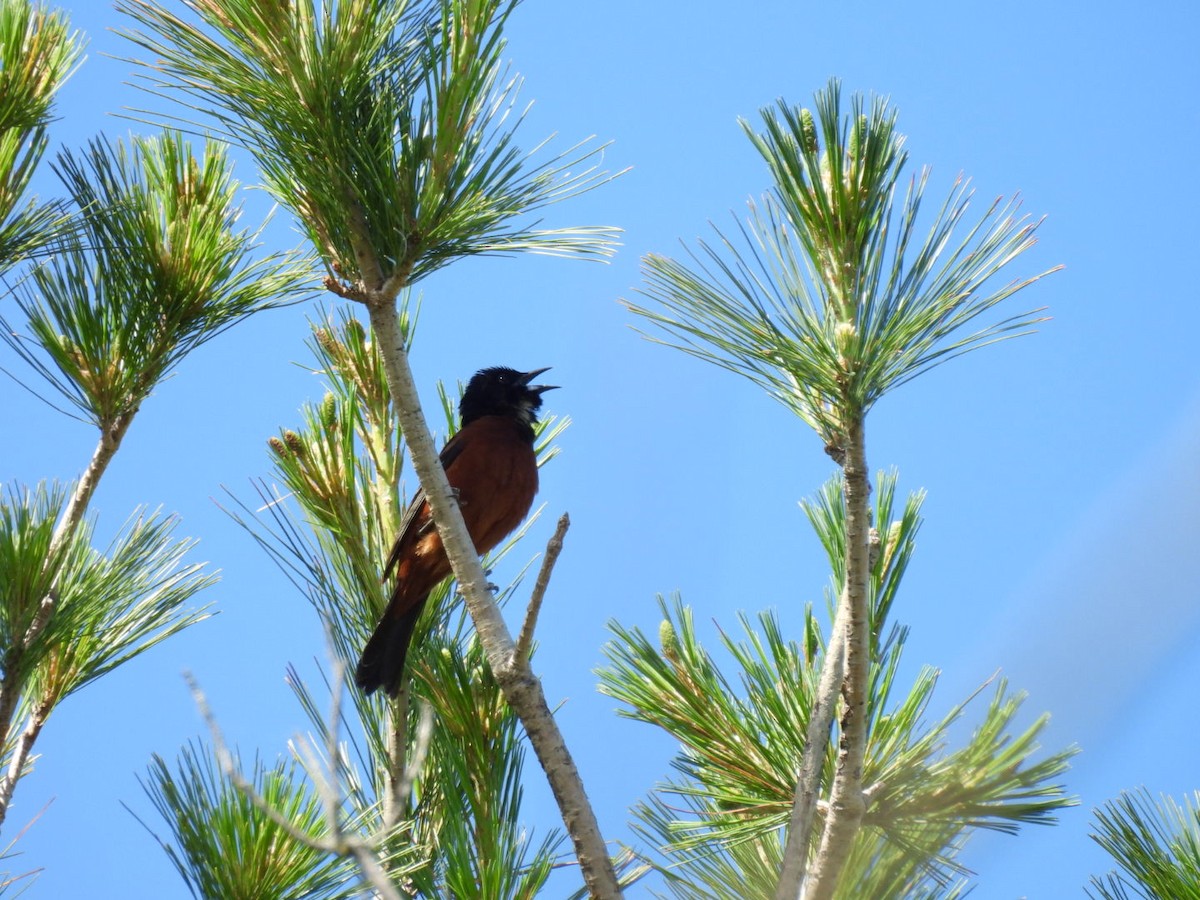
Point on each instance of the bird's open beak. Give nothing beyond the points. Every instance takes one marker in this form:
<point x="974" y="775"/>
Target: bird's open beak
<point x="538" y="388"/>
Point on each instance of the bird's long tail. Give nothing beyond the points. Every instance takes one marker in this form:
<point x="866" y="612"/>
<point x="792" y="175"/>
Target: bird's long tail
<point x="382" y="660"/>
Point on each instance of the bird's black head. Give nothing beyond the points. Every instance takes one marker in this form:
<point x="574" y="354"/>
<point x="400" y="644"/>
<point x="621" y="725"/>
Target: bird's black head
<point x="500" y="391"/>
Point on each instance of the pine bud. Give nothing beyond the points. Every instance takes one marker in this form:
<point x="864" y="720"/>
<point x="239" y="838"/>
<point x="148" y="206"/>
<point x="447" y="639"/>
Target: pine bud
<point x="844" y="337"/>
<point x="669" y="640"/>
<point x="326" y="341"/>
<point x="294" y="443"/>
<point x="892" y="542"/>
<point x="808" y="132"/>
<point x="858" y="137"/>
<point x="826" y="175"/>
<point x="328" y="411"/>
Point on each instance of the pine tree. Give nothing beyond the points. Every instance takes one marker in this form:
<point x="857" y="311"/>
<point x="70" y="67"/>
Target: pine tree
<point x="388" y="131"/>
<point x="828" y="298"/>
<point x="139" y="265"/>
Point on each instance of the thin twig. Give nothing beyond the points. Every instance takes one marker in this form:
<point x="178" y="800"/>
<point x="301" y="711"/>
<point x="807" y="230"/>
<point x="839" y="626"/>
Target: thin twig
<point x="327" y="786"/>
<point x="340" y="844"/>
<point x="9" y="851"/>
<point x="397" y="758"/>
<point x="229" y="768"/>
<point x="20" y="755"/>
<point x="421" y="742"/>
<point x="816" y="742"/>
<point x="553" y="548"/>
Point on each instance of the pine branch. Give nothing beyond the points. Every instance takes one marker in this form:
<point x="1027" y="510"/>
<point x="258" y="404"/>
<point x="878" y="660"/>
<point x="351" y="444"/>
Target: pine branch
<point x="521" y="688"/>
<point x="20" y="755"/>
<point x="10" y="688"/>
<point x="337" y="842"/>
<point x="334" y="480"/>
<point x="816" y="740"/>
<point x="846" y="803"/>
<point x="1156" y="845"/>
<point x="382" y="127"/>
<point x="38" y="52"/>
<point x="830" y="300"/>
<point x="156" y="270"/>
<point x="719" y="826"/>
<point x="553" y="549"/>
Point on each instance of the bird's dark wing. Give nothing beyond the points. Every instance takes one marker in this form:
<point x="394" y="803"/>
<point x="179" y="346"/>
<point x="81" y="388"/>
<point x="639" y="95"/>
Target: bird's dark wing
<point x="451" y="451"/>
<point x="417" y="519"/>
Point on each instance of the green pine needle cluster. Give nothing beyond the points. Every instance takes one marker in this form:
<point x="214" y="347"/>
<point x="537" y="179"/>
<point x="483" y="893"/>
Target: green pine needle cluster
<point x="157" y="268"/>
<point x="227" y="848"/>
<point x="110" y="606"/>
<point x="719" y="824"/>
<point x="828" y="295"/>
<point x="38" y="52"/>
<point x="470" y="794"/>
<point x="1156" y="845"/>
<point x="387" y="128"/>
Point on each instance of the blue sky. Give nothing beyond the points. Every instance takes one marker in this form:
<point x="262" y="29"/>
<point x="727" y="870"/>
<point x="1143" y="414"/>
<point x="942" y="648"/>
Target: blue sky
<point x="1061" y="527"/>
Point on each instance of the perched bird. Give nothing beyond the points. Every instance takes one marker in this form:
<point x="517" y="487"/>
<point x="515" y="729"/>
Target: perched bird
<point x="491" y="466"/>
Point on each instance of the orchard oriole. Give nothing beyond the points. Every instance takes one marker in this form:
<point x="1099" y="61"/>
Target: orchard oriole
<point x="491" y="465"/>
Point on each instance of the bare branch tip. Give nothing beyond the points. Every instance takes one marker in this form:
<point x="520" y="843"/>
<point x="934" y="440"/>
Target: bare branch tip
<point x="553" y="548"/>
